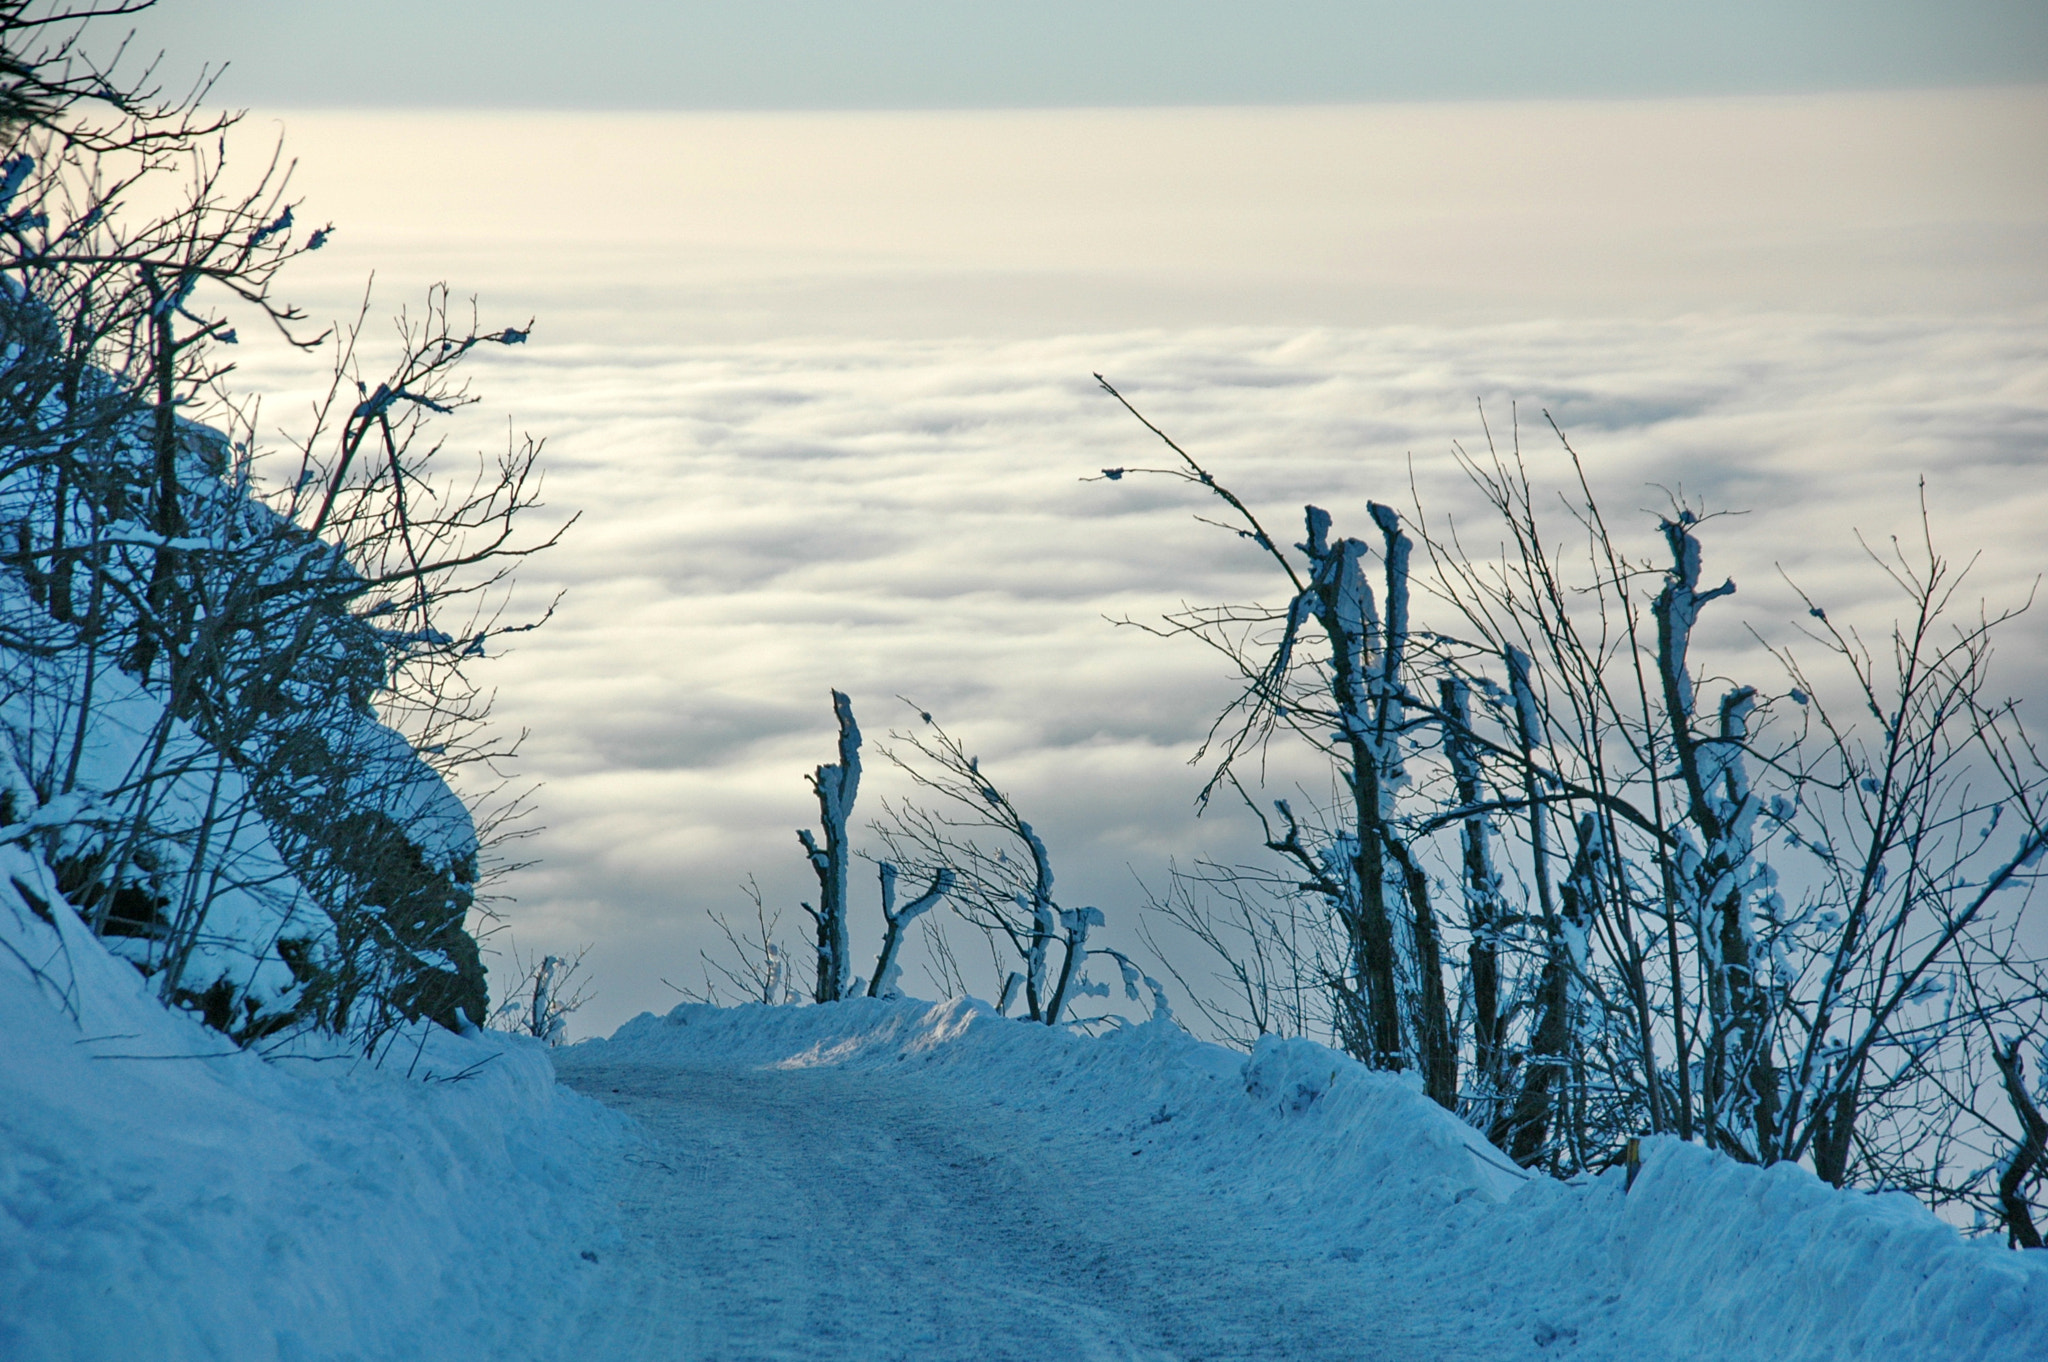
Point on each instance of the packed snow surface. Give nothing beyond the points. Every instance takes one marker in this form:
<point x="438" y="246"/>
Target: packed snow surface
<point x="902" y="1180"/>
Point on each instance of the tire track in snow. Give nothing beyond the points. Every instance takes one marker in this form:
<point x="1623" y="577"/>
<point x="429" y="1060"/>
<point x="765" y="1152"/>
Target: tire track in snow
<point x="811" y="1213"/>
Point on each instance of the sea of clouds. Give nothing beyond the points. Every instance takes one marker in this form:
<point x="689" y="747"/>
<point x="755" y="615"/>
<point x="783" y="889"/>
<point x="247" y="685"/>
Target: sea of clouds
<point x="819" y="387"/>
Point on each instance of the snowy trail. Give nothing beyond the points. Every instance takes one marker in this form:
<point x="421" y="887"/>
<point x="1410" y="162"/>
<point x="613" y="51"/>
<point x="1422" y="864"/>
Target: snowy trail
<point x="815" y="1213"/>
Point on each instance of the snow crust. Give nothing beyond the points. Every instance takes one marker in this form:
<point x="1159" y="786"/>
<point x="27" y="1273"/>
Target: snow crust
<point x="1702" y="1257"/>
<point x="165" y="1195"/>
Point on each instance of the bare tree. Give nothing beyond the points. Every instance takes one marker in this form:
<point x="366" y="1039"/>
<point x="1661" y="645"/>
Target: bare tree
<point x="1273" y="955"/>
<point x="1004" y="891"/>
<point x="264" y="636"/>
<point x="542" y="998"/>
<point x="1757" y="920"/>
<point x="1342" y="692"/>
<point x="885" y="981"/>
<point x="758" y="969"/>
<point x="836" y="785"/>
<point x="2027" y="1163"/>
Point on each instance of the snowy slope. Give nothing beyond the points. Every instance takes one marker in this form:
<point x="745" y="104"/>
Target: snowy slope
<point x="1358" y="1172"/>
<point x="164" y="1195"/>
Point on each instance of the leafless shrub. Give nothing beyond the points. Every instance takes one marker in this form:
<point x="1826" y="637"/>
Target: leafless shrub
<point x="1784" y="924"/>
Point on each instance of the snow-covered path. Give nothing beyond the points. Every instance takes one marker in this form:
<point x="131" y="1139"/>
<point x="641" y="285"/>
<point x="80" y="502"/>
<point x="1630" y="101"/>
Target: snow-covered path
<point x="819" y="1213"/>
<point x="904" y="1180"/>
<point x="891" y="1180"/>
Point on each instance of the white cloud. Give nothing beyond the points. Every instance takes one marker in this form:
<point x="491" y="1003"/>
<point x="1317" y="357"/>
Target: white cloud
<point x="908" y="519"/>
<point x="778" y="504"/>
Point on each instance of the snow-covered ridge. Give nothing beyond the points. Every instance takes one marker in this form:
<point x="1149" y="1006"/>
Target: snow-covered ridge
<point x="1701" y="1257"/>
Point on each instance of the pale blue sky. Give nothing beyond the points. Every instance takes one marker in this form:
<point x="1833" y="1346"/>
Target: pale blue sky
<point x="826" y="54"/>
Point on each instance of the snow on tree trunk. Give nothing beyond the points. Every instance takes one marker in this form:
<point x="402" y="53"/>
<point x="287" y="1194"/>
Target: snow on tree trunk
<point x="1436" y="1042"/>
<point x="836" y="786"/>
<point x="888" y="970"/>
<point x="1343" y="605"/>
<point x="1739" y="1085"/>
<point x="1481" y="885"/>
<point x="1076" y="921"/>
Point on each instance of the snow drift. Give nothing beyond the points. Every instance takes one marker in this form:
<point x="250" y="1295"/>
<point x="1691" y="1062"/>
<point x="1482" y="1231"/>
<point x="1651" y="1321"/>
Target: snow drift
<point x="166" y="1195"/>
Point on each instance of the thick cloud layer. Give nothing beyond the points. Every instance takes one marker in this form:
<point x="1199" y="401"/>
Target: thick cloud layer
<point x="763" y="522"/>
<point x="836" y="457"/>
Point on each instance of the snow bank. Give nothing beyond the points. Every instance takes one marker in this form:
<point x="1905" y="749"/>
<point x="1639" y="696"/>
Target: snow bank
<point x="164" y="1195"/>
<point x="1702" y="1257"/>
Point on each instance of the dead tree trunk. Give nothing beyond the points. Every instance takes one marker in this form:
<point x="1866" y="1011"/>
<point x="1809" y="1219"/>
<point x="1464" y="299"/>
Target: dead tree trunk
<point x="836" y="786"/>
<point x="1739" y="1085"/>
<point x="1482" y="891"/>
<point x="1527" y="1133"/>
<point x="887" y="970"/>
<point x="2032" y="1153"/>
<point x="1343" y="606"/>
<point x="1435" y="1042"/>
